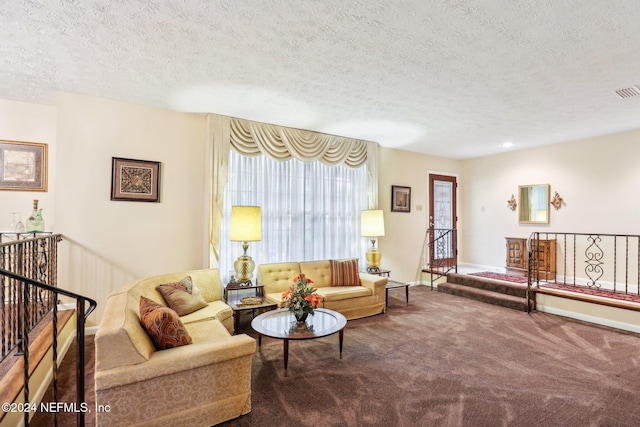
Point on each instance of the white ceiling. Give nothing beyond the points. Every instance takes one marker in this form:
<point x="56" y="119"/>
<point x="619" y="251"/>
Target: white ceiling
<point x="454" y="78"/>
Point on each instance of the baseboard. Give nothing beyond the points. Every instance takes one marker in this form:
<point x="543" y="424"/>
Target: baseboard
<point x="88" y="330"/>
<point x="480" y="267"/>
<point x="587" y="318"/>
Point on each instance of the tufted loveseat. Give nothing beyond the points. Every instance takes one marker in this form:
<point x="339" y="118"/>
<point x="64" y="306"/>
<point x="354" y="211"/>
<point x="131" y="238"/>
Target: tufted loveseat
<point x="365" y="297"/>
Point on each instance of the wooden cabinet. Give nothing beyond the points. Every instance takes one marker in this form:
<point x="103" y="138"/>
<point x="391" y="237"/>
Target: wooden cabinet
<point x="516" y="253"/>
<point x="543" y="259"/>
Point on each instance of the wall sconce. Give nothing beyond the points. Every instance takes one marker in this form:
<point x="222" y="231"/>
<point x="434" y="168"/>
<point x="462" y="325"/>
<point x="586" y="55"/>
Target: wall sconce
<point x="512" y="203"/>
<point x="372" y="226"/>
<point x="246" y="226"/>
<point x="556" y="202"/>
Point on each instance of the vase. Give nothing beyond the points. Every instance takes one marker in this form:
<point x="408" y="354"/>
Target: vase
<point x="35" y="222"/>
<point x="300" y="325"/>
<point x="301" y="318"/>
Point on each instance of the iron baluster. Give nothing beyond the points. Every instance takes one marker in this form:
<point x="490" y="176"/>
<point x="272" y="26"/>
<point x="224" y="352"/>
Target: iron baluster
<point x="594" y="260"/>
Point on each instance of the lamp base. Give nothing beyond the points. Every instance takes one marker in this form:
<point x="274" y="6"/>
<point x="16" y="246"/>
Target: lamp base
<point x="244" y="266"/>
<point x="373" y="259"/>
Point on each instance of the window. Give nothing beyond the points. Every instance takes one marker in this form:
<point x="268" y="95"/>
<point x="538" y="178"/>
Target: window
<point x="310" y="211"/>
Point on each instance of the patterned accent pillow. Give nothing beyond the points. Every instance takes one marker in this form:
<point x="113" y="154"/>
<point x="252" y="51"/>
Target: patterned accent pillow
<point x="183" y="296"/>
<point x="344" y="272"/>
<point x="162" y="325"/>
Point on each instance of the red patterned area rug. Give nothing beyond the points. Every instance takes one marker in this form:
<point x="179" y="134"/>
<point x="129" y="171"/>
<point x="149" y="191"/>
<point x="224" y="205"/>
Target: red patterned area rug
<point x="605" y="293"/>
<point x="500" y="276"/>
<point x="593" y="291"/>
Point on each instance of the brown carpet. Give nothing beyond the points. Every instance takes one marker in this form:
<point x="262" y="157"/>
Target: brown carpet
<point x="67" y="389"/>
<point x="500" y="276"/>
<point x="444" y="360"/>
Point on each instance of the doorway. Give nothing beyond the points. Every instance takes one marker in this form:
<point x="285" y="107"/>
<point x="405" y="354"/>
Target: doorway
<point x="443" y="218"/>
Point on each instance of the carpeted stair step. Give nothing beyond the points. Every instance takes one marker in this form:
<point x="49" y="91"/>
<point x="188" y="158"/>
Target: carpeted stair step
<point x="484" y="295"/>
<point x="493" y="285"/>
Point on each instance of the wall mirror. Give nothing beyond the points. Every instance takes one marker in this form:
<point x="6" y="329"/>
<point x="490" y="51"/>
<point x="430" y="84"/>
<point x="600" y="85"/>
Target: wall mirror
<point x="533" y="204"/>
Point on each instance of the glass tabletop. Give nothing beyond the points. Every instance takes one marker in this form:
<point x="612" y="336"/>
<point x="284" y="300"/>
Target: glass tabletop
<point x="282" y="324"/>
<point x="393" y="284"/>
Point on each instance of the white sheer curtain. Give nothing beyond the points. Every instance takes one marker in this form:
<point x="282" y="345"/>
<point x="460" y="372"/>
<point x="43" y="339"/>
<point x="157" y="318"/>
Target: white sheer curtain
<point x="278" y="143"/>
<point x="310" y="210"/>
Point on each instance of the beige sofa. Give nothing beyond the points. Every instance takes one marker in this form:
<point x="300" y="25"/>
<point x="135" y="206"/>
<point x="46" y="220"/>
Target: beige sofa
<point x="353" y="302"/>
<point x="199" y="384"/>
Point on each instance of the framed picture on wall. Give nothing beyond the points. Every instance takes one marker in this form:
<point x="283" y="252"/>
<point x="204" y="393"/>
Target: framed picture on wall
<point x="23" y="166"/>
<point x="400" y="199"/>
<point x="135" y="180"/>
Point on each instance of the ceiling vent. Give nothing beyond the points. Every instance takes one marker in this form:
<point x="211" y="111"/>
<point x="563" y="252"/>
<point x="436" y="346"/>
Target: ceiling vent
<point x="628" y="92"/>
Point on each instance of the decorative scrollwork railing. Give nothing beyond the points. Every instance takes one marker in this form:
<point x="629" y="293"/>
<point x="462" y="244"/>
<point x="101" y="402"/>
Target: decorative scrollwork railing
<point x="594" y="259"/>
<point x="440" y="252"/>
<point x="28" y="293"/>
<point x="32" y="255"/>
<point x="608" y="264"/>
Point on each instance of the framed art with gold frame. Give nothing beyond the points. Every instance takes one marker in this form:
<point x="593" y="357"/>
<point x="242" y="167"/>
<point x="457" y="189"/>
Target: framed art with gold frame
<point x="533" y="206"/>
<point x="23" y="166"/>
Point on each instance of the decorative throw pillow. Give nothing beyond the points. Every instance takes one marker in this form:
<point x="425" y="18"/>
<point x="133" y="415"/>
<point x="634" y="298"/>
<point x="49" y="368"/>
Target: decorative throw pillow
<point x="183" y="296"/>
<point x="344" y="272"/>
<point x="162" y="325"/>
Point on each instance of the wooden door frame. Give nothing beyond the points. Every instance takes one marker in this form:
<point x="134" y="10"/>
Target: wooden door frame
<point x="432" y="176"/>
<point x="451" y="178"/>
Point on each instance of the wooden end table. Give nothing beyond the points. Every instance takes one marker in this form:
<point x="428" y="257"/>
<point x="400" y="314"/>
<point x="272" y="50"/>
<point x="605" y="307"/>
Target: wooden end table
<point x="229" y="290"/>
<point x="380" y="272"/>
<point x="233" y="297"/>
<point x="280" y="324"/>
<point x="238" y="308"/>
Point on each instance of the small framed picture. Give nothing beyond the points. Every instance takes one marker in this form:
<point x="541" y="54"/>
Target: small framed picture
<point x="135" y="180"/>
<point x="23" y="166"/>
<point x="400" y="199"/>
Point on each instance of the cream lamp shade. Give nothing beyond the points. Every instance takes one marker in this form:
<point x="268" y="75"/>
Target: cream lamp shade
<point x="246" y="226"/>
<point x="372" y="225"/>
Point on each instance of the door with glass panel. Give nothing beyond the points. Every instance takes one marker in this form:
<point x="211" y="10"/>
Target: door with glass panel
<point x="442" y="220"/>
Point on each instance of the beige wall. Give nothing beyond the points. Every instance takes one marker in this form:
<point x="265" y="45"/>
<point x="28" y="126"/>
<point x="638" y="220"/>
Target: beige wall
<point x="613" y="317"/>
<point x="109" y="243"/>
<point x="597" y="178"/>
<point x="20" y="121"/>
<point x="404" y="232"/>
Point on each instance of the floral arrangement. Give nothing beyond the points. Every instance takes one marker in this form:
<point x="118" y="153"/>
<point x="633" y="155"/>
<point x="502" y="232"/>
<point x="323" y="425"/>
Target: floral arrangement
<point x="301" y="298"/>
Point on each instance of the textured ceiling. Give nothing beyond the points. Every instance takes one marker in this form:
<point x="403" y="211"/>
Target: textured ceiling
<point x="455" y="78"/>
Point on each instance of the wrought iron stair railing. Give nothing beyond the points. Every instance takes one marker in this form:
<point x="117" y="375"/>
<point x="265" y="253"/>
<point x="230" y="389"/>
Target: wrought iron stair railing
<point x="25" y="300"/>
<point x="440" y="253"/>
<point x="605" y="265"/>
<point x="35" y="256"/>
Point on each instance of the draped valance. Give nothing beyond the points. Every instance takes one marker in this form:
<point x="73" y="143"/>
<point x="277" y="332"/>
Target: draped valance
<point x="282" y="143"/>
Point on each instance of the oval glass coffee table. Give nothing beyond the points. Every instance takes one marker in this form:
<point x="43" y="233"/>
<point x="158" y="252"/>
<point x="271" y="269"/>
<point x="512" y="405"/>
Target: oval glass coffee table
<point x="281" y="324"/>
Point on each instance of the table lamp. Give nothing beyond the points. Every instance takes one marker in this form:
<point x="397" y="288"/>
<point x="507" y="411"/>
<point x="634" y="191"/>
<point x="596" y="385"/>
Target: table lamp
<point x="246" y="226"/>
<point x="372" y="226"/>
